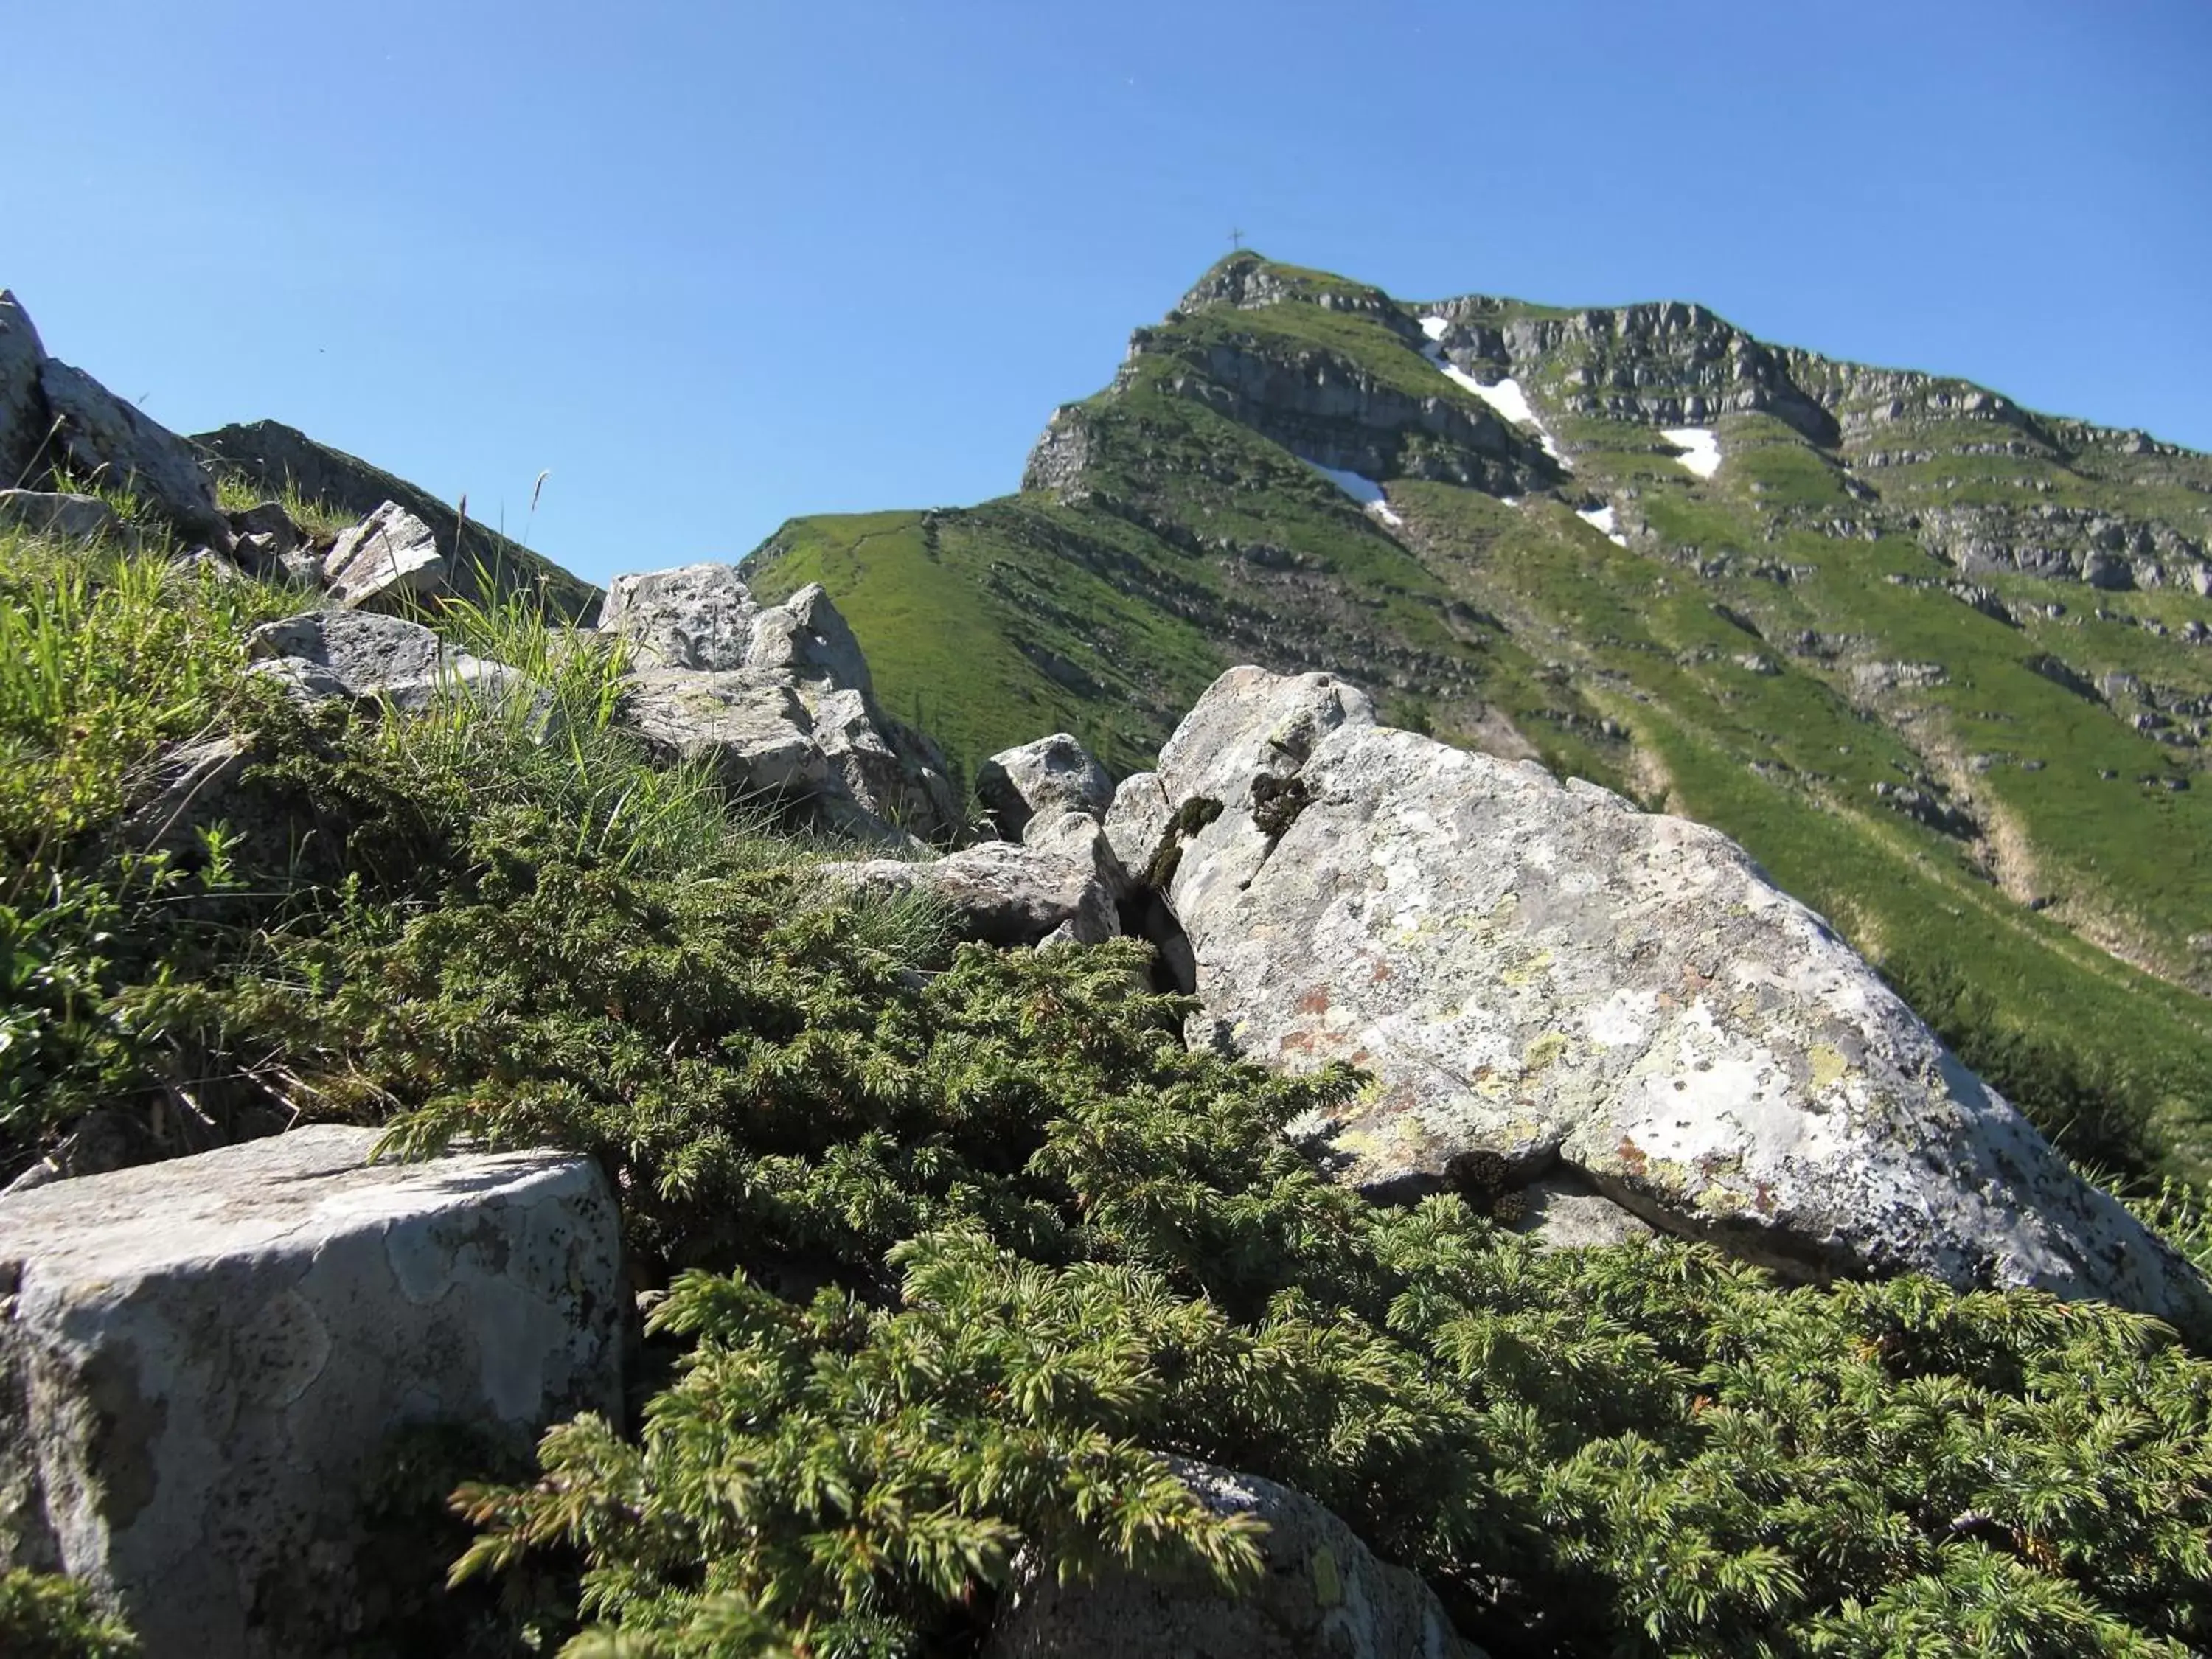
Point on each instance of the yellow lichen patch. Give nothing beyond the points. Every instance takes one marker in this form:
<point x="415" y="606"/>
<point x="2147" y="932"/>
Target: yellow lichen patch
<point x="1544" y="1051"/>
<point x="1522" y="973"/>
<point x="1828" y="1063"/>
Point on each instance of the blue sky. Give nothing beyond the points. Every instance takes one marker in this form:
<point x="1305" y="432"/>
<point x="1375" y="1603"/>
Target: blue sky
<point x="715" y="265"/>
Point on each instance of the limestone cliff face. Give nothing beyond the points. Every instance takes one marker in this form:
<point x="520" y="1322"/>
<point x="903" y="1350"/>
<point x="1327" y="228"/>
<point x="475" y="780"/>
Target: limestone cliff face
<point x="1667" y="364"/>
<point x="1324" y="407"/>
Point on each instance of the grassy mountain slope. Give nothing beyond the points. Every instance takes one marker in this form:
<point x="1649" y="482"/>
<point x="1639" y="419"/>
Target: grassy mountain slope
<point x="1940" y="662"/>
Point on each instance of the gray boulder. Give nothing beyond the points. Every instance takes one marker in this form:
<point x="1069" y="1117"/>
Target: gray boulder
<point x="205" y="1362"/>
<point x="806" y="638"/>
<point x="1321" y="1595"/>
<point x="191" y="787"/>
<point x="268" y="542"/>
<point x="101" y="437"/>
<point x="751" y="728"/>
<point x="880" y="777"/>
<point x="23" y="417"/>
<point x="1140" y="825"/>
<point x="778" y="701"/>
<point x="1539" y="972"/>
<point x="998" y="892"/>
<point x="64" y="516"/>
<point x="698" y="616"/>
<point x="388" y="557"/>
<point x="1049" y="776"/>
<point x="365" y="655"/>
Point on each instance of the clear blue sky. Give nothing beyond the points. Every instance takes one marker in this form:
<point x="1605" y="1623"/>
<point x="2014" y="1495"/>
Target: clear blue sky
<point x="717" y="265"/>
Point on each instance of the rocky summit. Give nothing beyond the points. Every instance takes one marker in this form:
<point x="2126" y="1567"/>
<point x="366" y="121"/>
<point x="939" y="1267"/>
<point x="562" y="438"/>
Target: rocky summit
<point x="1484" y="981"/>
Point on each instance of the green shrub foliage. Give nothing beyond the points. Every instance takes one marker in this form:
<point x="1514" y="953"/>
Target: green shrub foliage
<point x="1051" y="1244"/>
<point x="45" y="1616"/>
<point x="950" y="1249"/>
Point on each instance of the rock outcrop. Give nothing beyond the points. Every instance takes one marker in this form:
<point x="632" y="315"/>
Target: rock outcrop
<point x="55" y="418"/>
<point x="699" y="617"/>
<point x="23" y="417"/>
<point x="998" y="892"/>
<point x="105" y="438"/>
<point x="64" y="516"/>
<point x="1538" y="972"/>
<point x="202" y="1362"/>
<point x="1043" y="779"/>
<point x="778" y="701"/>
<point x="481" y="566"/>
<point x="390" y="557"/>
<point x="1321" y="1595"/>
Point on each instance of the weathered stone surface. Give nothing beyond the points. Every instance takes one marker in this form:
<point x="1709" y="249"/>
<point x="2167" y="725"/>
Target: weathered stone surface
<point x="1564" y="1212"/>
<point x="202" y="1362"/>
<point x="779" y="701"/>
<point x="1051" y="775"/>
<point x="190" y="785"/>
<point x="267" y="539"/>
<point x="805" y="637"/>
<point x="750" y="727"/>
<point x="364" y="654"/>
<point x="870" y="785"/>
<point x="698" y="616"/>
<point x="1541" y="972"/>
<point x="1250" y="721"/>
<point x="1139" y="824"/>
<point x="23" y="417"/>
<point x="104" y="437"/>
<point x="937" y="812"/>
<point x="1321" y="1595"/>
<point x="67" y="517"/>
<point x="998" y="892"/>
<point x="1077" y="835"/>
<point x="388" y="557"/>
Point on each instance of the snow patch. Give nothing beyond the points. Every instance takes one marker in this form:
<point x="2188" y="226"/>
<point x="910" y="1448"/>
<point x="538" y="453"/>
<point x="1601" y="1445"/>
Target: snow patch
<point x="1601" y="520"/>
<point x="1365" y="491"/>
<point x="1505" y="395"/>
<point x="1703" y="445"/>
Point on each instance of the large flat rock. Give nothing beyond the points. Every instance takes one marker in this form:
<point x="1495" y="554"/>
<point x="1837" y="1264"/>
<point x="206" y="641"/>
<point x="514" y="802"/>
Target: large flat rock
<point x="201" y="1362"/>
<point x="1538" y="972"/>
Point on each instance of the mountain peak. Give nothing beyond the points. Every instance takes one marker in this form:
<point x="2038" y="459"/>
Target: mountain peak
<point x="1941" y="662"/>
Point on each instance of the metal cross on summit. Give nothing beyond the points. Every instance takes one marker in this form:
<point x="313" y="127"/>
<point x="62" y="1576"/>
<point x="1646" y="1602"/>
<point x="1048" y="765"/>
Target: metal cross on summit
<point x="1236" y="240"/>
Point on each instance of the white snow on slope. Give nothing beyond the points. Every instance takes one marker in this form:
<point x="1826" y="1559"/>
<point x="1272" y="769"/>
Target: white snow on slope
<point x="1600" y="518"/>
<point x="1365" y="491"/>
<point x="1705" y="447"/>
<point x="1505" y="396"/>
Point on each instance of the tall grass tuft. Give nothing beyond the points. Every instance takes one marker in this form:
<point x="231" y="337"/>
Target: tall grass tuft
<point x="236" y="493"/>
<point x="105" y="656"/>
